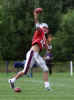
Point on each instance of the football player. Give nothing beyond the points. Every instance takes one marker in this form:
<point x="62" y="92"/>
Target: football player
<point x="38" y="43"/>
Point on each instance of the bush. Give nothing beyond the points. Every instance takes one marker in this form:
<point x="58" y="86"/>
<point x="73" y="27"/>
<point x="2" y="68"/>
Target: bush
<point x="64" y="39"/>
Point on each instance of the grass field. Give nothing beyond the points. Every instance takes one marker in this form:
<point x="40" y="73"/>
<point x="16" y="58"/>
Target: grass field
<point x="32" y="88"/>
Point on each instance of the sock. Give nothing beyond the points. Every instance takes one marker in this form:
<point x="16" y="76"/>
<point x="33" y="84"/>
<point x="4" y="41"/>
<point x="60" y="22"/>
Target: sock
<point x="13" y="80"/>
<point x="46" y="84"/>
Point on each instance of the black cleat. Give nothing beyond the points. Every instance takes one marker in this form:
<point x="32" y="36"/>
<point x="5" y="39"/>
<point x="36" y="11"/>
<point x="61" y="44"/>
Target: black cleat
<point x="11" y="84"/>
<point x="48" y="88"/>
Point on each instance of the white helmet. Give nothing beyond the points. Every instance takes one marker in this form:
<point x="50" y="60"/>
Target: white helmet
<point x="43" y="25"/>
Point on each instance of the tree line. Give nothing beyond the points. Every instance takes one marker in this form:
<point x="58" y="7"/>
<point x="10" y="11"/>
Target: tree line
<point x="17" y="27"/>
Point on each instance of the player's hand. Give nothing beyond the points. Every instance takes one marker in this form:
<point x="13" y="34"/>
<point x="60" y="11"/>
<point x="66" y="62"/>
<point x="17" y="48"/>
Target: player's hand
<point x="37" y="11"/>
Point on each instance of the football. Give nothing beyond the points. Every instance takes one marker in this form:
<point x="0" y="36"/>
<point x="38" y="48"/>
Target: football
<point x="17" y="89"/>
<point x="38" y="10"/>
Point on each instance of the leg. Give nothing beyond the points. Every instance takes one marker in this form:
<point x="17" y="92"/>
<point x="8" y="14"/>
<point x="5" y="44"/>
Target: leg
<point x="46" y="83"/>
<point x="19" y="74"/>
<point x="42" y="64"/>
<point x="30" y="73"/>
<point x="26" y="68"/>
<point x="50" y="71"/>
<point x="11" y="81"/>
<point x="45" y="76"/>
<point x="49" y="65"/>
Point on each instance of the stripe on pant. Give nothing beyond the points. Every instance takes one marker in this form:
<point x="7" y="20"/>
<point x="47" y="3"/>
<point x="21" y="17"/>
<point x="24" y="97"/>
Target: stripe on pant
<point x="29" y="61"/>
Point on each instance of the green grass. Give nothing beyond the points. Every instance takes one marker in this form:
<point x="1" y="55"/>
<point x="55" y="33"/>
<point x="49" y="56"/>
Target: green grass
<point x="32" y="88"/>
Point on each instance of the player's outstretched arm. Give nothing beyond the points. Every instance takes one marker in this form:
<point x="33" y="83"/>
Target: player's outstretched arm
<point x="36" y="12"/>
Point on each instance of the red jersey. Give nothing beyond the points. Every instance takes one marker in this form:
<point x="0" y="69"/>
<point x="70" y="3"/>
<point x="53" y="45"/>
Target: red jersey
<point x="39" y="38"/>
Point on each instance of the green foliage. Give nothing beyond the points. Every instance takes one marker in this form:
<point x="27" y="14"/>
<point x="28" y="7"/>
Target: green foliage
<point x="66" y="5"/>
<point x="17" y="26"/>
<point x="52" y="13"/>
<point x="64" y="40"/>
